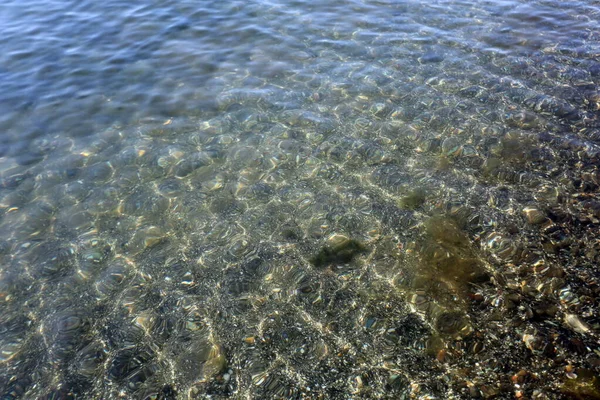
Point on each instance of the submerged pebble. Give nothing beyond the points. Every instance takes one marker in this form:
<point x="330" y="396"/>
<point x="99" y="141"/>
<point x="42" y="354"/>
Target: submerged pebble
<point x="533" y="215"/>
<point x="575" y="323"/>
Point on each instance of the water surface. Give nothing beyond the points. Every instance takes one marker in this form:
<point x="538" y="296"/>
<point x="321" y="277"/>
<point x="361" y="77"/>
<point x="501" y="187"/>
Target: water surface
<point x="298" y="199"/>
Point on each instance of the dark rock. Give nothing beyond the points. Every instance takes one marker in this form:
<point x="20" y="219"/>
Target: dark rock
<point x="431" y="57"/>
<point x="339" y="250"/>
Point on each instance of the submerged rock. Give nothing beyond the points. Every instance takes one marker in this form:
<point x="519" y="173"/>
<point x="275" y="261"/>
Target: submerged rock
<point x="339" y="249"/>
<point x="575" y="323"/>
<point x="431" y="57"/>
<point x="534" y="215"/>
<point x="202" y="361"/>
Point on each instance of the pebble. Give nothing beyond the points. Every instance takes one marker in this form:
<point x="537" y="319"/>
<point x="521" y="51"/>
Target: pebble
<point x="576" y="324"/>
<point x="431" y="57"/>
<point x="533" y="215"/>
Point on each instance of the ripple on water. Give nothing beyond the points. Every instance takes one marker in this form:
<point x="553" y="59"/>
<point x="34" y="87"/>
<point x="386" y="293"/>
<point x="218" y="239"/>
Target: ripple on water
<point x="361" y="207"/>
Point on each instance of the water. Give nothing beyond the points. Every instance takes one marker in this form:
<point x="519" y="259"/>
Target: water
<point x="341" y="200"/>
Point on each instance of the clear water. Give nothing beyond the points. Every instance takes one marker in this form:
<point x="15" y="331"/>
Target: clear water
<point x="299" y="199"/>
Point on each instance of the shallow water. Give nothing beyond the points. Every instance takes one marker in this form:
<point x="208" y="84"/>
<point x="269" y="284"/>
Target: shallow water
<point x="338" y="200"/>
